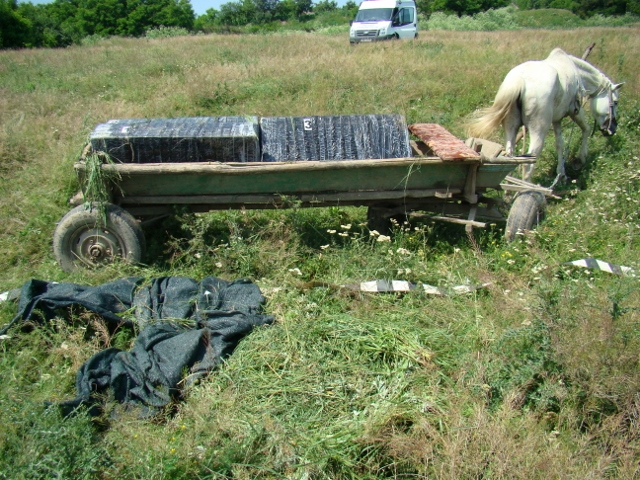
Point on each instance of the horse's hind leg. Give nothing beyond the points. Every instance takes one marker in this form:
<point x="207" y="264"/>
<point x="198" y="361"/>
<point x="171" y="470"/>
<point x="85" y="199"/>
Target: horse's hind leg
<point x="522" y="135"/>
<point x="536" y="142"/>
<point x="511" y="124"/>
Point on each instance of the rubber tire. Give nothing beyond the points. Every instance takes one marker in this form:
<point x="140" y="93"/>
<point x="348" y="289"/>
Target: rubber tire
<point x="527" y="211"/>
<point x="80" y="230"/>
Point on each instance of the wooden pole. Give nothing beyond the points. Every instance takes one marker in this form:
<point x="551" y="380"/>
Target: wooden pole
<point x="588" y="51"/>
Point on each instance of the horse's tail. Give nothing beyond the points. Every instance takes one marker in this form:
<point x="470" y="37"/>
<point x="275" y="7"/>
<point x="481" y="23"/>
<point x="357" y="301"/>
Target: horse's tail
<point x="487" y="120"/>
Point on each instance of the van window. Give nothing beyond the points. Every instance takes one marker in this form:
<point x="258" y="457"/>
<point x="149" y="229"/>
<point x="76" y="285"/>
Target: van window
<point x="373" y="15"/>
<point x="406" y="16"/>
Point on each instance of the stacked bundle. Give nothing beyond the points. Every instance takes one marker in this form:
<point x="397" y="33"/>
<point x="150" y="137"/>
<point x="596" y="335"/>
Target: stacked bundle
<point x="242" y="139"/>
<point x="177" y="140"/>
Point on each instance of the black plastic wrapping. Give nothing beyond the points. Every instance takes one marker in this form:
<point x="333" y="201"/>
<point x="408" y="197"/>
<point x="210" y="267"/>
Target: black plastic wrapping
<point x="176" y="140"/>
<point x="346" y="137"/>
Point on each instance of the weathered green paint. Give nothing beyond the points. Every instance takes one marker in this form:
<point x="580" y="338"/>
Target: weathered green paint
<point x="490" y="176"/>
<point x="390" y="178"/>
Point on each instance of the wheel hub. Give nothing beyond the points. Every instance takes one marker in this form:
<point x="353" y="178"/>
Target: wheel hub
<point x="97" y="246"/>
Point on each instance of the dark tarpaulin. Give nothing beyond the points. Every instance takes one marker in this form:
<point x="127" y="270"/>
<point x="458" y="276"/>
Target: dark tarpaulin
<point x="186" y="329"/>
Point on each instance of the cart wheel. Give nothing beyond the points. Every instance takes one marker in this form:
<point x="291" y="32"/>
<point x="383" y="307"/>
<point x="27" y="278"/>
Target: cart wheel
<point x="83" y="238"/>
<point x="527" y="211"/>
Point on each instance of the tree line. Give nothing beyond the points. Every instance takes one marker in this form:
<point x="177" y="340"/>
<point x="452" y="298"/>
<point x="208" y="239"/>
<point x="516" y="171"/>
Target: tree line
<point x="64" y="22"/>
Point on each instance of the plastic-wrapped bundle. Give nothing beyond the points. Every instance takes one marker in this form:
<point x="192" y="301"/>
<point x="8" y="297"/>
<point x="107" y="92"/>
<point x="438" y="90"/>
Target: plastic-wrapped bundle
<point x="176" y="140"/>
<point x="346" y="137"/>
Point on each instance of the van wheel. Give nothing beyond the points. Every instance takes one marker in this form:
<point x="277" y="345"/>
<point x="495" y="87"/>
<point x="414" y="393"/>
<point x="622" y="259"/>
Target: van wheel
<point x="396" y="36"/>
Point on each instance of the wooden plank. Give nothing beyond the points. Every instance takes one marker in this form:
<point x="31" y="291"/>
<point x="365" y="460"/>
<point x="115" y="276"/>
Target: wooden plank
<point x="502" y="160"/>
<point x="443" y="143"/>
<point x="490" y="175"/>
<point x="253" y="168"/>
<point x="347" y="179"/>
<point x="459" y="221"/>
<point x="389" y="176"/>
<point x="486" y="148"/>
<point x="346" y="198"/>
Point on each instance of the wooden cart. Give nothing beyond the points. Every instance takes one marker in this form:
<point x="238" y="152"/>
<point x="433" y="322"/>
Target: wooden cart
<point x="444" y="180"/>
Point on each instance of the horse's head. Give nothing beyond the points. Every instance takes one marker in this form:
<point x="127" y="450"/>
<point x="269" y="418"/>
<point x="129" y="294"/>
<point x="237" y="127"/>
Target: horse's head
<point x="604" y="108"/>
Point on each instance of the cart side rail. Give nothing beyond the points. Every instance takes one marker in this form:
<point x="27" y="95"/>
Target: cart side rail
<point x="251" y="168"/>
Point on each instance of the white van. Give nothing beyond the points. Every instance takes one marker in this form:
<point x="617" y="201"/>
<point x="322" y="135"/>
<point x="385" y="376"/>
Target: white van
<point x="383" y="20"/>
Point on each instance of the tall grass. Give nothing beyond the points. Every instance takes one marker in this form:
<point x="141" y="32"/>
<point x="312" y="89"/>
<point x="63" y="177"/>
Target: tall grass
<point x="534" y="376"/>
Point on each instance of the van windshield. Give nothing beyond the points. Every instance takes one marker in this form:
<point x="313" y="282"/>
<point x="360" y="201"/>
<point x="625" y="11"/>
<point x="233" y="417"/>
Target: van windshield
<point x="374" y="15"/>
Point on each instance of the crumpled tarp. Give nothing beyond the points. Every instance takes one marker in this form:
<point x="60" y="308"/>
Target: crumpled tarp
<point x="186" y="329"/>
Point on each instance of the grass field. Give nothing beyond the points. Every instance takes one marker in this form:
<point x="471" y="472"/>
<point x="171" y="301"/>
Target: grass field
<point x="535" y="376"/>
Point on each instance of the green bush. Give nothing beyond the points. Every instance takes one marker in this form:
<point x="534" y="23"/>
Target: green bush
<point x="499" y="19"/>
<point x="166" y="32"/>
<point x="510" y="18"/>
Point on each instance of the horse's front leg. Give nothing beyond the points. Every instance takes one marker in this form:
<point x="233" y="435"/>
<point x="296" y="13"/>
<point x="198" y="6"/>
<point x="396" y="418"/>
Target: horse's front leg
<point x="581" y="120"/>
<point x="561" y="175"/>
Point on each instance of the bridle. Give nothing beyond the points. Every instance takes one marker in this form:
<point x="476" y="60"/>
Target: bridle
<point x="610" y="118"/>
<point x="611" y="112"/>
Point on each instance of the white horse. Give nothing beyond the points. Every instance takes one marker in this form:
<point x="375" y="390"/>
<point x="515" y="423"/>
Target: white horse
<point x="539" y="94"/>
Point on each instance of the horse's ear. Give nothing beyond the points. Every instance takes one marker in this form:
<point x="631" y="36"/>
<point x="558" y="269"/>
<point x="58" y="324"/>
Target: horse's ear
<point x="617" y="86"/>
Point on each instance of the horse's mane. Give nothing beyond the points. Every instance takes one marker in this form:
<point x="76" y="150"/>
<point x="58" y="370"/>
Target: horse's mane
<point x="593" y="80"/>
